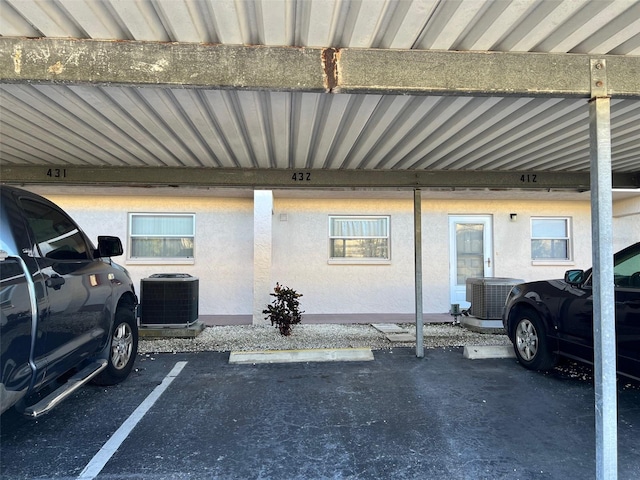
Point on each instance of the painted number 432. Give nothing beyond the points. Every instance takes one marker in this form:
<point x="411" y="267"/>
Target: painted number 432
<point x="301" y="177"/>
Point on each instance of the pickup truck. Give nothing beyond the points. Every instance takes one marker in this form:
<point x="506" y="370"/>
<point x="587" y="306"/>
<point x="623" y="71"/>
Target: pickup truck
<point x="68" y="311"/>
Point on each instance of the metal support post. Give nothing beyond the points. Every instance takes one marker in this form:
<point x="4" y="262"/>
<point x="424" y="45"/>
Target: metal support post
<point x="604" y="333"/>
<point x="417" y="223"/>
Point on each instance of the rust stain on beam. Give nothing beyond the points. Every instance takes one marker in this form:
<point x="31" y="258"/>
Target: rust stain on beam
<point x="330" y="68"/>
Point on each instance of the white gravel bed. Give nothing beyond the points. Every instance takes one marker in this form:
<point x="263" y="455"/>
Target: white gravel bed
<point x="265" y="337"/>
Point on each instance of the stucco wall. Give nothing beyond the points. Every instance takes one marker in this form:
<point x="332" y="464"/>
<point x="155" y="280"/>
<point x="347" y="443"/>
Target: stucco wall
<point x="223" y="245"/>
<point x="301" y="251"/>
<point x="626" y="222"/>
<point x="225" y="258"/>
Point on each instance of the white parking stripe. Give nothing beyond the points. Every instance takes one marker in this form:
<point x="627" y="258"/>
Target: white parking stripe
<point x="97" y="463"/>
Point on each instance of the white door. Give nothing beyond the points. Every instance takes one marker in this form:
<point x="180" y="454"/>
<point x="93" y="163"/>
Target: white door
<point x="471" y="253"/>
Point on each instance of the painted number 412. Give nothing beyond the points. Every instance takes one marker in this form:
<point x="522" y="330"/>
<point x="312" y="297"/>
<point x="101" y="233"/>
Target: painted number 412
<point x="531" y="178"/>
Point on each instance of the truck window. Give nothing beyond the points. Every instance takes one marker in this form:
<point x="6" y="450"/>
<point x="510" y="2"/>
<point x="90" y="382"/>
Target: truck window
<point x="57" y="236"/>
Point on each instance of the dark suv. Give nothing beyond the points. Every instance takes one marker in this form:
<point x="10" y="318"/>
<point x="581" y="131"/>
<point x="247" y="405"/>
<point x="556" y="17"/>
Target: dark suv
<point x="68" y="311"/>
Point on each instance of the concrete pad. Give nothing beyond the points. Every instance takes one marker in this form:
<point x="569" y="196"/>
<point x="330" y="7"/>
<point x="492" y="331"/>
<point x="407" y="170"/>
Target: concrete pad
<point x="155" y="331"/>
<point x="488" y="351"/>
<point x="389" y="328"/>
<point x="311" y="355"/>
<point x="482" y="326"/>
<point x="401" y="337"/>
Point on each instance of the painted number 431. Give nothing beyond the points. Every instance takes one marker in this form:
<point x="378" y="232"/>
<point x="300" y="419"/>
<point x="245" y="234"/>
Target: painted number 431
<point x="57" y="172"/>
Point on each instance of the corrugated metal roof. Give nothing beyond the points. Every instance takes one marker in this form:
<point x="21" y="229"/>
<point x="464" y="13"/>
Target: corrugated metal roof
<point x="85" y="125"/>
<point x="98" y="125"/>
<point x="571" y="26"/>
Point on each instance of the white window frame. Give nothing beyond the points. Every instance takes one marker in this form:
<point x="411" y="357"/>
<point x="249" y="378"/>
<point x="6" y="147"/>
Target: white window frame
<point x="568" y="238"/>
<point x="160" y="260"/>
<point x="359" y="261"/>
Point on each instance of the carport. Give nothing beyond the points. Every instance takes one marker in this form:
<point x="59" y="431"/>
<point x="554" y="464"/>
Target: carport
<point x="409" y="95"/>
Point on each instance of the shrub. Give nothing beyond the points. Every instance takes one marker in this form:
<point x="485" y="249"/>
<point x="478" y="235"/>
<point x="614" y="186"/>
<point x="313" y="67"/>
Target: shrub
<point x="284" y="311"/>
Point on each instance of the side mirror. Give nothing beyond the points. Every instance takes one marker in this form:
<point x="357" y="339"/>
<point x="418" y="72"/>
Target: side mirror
<point x="574" y="277"/>
<point x="109" y="246"/>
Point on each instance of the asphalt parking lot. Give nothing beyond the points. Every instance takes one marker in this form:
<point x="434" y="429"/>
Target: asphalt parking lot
<point x="398" y="416"/>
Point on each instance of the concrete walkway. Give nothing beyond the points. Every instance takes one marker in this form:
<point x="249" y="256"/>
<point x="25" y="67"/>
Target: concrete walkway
<point x="213" y="320"/>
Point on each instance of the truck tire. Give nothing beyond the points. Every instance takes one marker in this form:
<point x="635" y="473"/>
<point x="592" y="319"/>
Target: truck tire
<point x="123" y="348"/>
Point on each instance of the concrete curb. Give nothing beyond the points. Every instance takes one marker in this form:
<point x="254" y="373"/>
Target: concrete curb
<point x="477" y="352"/>
<point x="311" y="355"/>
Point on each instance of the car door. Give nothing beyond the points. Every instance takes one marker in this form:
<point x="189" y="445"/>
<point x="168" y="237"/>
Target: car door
<point x="626" y="272"/>
<point x="16" y="312"/>
<point x="575" y="318"/>
<point x="76" y="286"/>
<point x="576" y="312"/>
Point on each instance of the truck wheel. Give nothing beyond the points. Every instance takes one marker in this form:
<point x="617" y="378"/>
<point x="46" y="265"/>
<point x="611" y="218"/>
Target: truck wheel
<point x="123" y="349"/>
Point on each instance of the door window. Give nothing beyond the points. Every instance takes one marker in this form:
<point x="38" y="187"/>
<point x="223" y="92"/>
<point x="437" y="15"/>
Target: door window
<point x="56" y="235"/>
<point x="626" y="271"/>
<point x="469" y="251"/>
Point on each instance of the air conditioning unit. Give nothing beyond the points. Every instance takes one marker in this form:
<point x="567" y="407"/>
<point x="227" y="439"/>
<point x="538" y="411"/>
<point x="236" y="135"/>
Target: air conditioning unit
<point x="488" y="294"/>
<point x="169" y="300"/>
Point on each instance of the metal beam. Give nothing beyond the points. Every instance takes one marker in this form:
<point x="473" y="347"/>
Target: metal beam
<point x="420" y="72"/>
<point x="70" y="61"/>
<point x="311" y="179"/>
<point x="416" y="72"/>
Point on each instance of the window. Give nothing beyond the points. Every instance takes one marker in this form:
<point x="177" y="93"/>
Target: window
<point x="56" y="235"/>
<point x="550" y="239"/>
<point x="359" y="239"/>
<point x="163" y="236"/>
<point x="626" y="269"/>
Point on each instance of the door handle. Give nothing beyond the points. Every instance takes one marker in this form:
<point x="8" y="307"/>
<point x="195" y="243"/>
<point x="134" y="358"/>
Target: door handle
<point x="55" y="282"/>
<point x="489" y="262"/>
